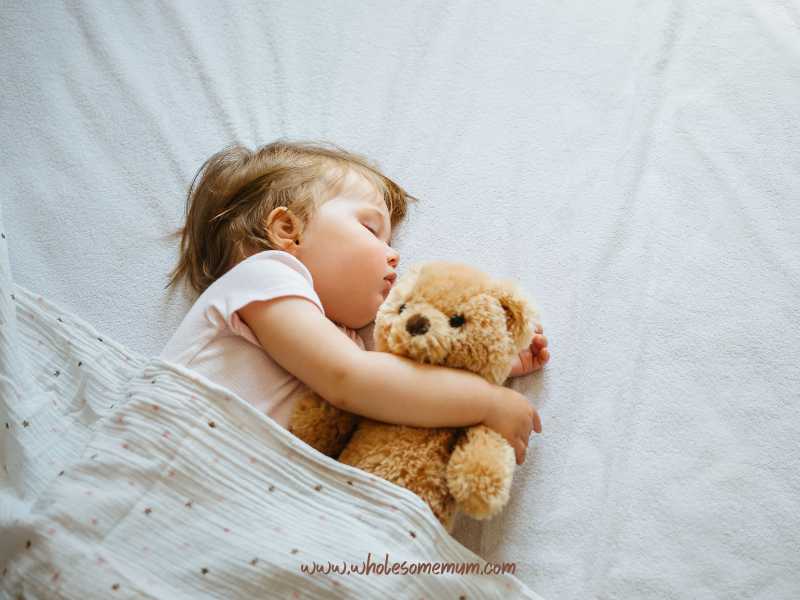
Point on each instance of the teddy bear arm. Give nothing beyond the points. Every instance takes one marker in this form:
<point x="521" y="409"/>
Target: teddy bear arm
<point x="321" y="425"/>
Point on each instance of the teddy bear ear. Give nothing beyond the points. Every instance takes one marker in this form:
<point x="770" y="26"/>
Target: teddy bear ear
<point x="520" y="312"/>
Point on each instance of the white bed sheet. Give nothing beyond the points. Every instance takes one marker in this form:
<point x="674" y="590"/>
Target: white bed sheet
<point x="635" y="166"/>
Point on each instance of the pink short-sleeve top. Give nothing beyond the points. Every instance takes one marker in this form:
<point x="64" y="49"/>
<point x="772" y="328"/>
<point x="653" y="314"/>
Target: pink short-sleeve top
<point x="214" y="341"/>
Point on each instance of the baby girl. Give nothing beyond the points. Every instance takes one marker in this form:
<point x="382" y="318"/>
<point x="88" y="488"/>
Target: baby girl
<point x="289" y="251"/>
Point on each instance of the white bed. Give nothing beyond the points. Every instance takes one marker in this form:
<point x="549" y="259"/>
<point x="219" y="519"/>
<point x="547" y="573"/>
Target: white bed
<point x="635" y="166"/>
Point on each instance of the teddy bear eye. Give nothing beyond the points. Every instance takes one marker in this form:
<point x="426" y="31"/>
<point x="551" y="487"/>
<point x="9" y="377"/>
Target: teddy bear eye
<point x="457" y="320"/>
<point x="402" y="306"/>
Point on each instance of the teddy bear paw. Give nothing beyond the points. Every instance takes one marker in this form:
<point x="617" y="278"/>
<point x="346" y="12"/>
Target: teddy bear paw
<point x="480" y="482"/>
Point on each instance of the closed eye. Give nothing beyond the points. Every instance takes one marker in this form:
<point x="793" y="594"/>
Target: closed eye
<point x="372" y="230"/>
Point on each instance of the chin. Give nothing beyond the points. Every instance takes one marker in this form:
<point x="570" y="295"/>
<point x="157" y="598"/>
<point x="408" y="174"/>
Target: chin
<point x="366" y="318"/>
<point x="367" y="321"/>
<point x="360" y="322"/>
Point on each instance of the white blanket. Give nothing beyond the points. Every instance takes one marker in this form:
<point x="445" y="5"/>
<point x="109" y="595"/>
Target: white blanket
<point x="123" y="473"/>
<point x="634" y="165"/>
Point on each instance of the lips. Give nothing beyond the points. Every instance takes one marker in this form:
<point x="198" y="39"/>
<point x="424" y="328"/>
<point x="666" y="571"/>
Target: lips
<point x="388" y="282"/>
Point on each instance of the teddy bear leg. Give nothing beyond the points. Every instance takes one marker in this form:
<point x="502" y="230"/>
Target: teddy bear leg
<point x="412" y="457"/>
<point x="442" y="505"/>
<point x="480" y="471"/>
<point x="449" y="520"/>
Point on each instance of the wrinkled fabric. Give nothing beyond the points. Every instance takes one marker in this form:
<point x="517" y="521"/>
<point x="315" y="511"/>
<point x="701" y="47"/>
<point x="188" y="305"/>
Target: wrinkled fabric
<point x="129" y="476"/>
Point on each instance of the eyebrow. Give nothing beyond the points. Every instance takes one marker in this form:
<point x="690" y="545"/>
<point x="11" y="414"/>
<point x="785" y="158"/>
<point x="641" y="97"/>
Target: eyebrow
<point x="371" y="208"/>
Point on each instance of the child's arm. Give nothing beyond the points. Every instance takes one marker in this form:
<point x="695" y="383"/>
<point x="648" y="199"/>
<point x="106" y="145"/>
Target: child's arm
<point x="380" y="385"/>
<point x="395" y="389"/>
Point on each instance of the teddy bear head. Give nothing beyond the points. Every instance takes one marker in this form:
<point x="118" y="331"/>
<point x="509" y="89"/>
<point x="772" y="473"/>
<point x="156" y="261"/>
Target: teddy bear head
<point x="451" y="314"/>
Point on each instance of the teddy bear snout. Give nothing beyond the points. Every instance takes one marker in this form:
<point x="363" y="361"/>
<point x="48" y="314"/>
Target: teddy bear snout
<point x="417" y="325"/>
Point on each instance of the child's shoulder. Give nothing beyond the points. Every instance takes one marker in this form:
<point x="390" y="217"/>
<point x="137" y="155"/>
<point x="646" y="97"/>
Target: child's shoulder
<point x="264" y="271"/>
<point x="260" y="277"/>
<point x="275" y="261"/>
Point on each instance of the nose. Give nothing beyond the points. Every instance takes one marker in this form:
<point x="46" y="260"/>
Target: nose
<point x="394" y="258"/>
<point x="417" y="325"/>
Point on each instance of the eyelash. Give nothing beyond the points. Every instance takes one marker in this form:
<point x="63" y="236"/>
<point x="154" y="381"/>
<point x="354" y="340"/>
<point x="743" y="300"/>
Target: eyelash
<point x="372" y="230"/>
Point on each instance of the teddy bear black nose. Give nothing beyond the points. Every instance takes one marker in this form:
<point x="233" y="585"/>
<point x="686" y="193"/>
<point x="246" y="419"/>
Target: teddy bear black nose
<point x="417" y="325"/>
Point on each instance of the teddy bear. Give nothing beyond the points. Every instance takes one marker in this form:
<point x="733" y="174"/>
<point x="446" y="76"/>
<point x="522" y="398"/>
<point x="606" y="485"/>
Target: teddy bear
<point x="440" y="313"/>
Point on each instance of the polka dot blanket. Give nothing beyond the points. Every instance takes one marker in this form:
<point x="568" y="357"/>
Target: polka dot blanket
<point x="123" y="476"/>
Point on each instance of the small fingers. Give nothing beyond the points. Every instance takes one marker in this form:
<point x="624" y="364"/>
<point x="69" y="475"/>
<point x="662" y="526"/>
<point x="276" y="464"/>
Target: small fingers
<point x="543" y="357"/>
<point x="526" y="360"/>
<point x="521" y="448"/>
<point x="533" y="358"/>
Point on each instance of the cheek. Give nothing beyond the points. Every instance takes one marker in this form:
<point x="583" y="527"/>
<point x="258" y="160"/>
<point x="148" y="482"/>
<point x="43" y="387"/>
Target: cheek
<point x="361" y="239"/>
<point x="372" y="251"/>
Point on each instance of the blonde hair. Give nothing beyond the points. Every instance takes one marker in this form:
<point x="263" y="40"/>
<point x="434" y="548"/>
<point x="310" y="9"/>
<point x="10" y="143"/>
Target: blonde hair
<point x="236" y="189"/>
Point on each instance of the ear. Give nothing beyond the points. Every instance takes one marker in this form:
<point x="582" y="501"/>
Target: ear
<point x="520" y="312"/>
<point x="283" y="228"/>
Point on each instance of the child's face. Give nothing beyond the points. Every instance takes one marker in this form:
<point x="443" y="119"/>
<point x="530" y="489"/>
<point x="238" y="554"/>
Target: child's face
<point x="348" y="262"/>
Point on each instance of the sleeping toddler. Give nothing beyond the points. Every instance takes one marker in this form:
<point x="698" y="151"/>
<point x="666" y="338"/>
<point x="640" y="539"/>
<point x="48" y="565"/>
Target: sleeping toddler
<point x="288" y="249"/>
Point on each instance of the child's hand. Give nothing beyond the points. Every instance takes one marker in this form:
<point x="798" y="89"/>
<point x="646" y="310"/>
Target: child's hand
<point x="533" y="357"/>
<point x="510" y="415"/>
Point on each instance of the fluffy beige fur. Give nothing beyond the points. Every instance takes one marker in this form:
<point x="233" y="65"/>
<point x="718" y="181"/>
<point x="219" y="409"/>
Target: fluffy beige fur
<point x="467" y="469"/>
